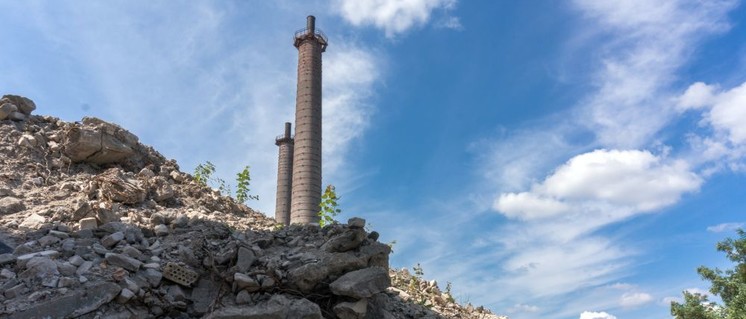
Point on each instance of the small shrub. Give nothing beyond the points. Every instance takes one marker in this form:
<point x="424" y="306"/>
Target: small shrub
<point x="329" y="208"/>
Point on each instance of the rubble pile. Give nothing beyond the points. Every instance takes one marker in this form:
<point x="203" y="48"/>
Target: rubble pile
<point x="93" y="224"/>
<point x="413" y="289"/>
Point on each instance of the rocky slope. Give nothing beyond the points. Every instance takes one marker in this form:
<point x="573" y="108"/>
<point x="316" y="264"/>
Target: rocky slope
<point x="93" y="224"/>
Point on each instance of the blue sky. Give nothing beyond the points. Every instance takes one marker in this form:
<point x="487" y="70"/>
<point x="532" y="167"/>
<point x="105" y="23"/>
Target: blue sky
<point x="551" y="159"/>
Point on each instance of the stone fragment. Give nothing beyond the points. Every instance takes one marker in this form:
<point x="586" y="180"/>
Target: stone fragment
<point x="15" y="291"/>
<point x="111" y="240"/>
<point x="246" y="258"/>
<point x="181" y="221"/>
<point x="265" y="281"/>
<point x="157" y="219"/>
<point x="101" y="250"/>
<point x="362" y="283"/>
<point x="7" y="274"/>
<point x="153" y="277"/>
<point x="66" y="282"/>
<point x="68" y="245"/>
<point x="76" y="260"/>
<point x="277" y="307"/>
<point x="67" y="269"/>
<point x="40" y="267"/>
<point x="125" y="295"/>
<point x="48" y="240"/>
<point x="6" y="108"/>
<point x="351" y="310"/>
<point x="345" y="241"/>
<point x="28" y="141"/>
<point x="161" y="230"/>
<point x="118" y="187"/>
<point x="175" y="294"/>
<point x="84" y="268"/>
<point x="11" y="205"/>
<point x="204" y="294"/>
<point x="374" y="235"/>
<point x="81" y="210"/>
<point x="123" y="261"/>
<point x="16" y="116"/>
<point x="356" y="222"/>
<point x="72" y="305"/>
<point x="59" y="234"/>
<point x="33" y="221"/>
<point x="243" y="297"/>
<point x="7" y="259"/>
<point x="241" y="281"/>
<point x="23" y="104"/>
<point x="23" y="259"/>
<point x="49" y="281"/>
<point x="134" y="253"/>
<point x="164" y="192"/>
<point x="88" y="223"/>
<point x="99" y="142"/>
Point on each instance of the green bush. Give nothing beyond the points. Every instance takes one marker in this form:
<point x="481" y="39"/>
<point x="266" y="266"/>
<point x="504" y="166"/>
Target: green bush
<point x="329" y="208"/>
<point x="730" y="285"/>
<point x="203" y="175"/>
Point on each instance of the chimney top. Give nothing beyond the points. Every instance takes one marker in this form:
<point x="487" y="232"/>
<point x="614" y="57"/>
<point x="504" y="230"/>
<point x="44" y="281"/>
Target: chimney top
<point x="311" y="24"/>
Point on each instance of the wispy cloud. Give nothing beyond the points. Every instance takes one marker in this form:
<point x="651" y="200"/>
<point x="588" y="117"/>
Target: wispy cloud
<point x="395" y="16"/>
<point x="723" y="144"/>
<point x="522" y="308"/>
<point x="596" y="315"/>
<point x="724" y="227"/>
<point x="635" y="299"/>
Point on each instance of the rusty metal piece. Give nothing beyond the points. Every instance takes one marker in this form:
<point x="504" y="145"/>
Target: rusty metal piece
<point x="179" y="274"/>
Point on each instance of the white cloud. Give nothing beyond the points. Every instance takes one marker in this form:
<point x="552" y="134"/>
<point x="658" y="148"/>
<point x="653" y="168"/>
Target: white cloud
<point x="522" y="308"/>
<point x="596" y="315"/>
<point x="635" y="299"/>
<point x="698" y="95"/>
<point x="726" y="110"/>
<point x="528" y="206"/>
<point x="393" y="16"/>
<point x="633" y="180"/>
<point x="719" y="228"/>
<point x="451" y="23"/>
<point x="630" y="178"/>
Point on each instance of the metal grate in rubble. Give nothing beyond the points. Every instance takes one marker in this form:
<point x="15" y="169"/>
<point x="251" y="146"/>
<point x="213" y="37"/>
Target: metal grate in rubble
<point x="180" y="275"/>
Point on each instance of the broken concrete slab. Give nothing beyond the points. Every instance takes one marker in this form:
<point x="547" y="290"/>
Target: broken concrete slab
<point x="74" y="305"/>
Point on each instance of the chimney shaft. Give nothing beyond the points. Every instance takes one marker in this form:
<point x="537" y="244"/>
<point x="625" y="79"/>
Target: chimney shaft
<point x="306" y="189"/>
<point x="284" y="176"/>
<point x="311" y="24"/>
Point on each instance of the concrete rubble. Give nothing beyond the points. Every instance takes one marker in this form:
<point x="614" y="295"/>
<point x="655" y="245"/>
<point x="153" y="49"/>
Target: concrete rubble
<point x="94" y="224"/>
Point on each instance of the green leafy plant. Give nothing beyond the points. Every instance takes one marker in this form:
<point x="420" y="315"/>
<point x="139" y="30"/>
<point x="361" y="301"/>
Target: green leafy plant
<point x="329" y="208"/>
<point x="203" y="174"/>
<point x="242" y="186"/>
<point x="730" y="285"/>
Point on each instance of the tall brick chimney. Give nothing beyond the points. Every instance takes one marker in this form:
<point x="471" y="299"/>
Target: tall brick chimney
<point x="284" y="176"/>
<point x="306" y="187"/>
